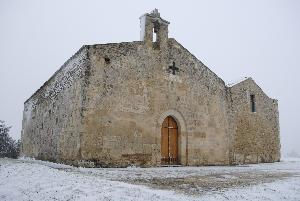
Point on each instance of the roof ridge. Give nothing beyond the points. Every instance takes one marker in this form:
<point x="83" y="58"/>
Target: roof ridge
<point x="242" y="79"/>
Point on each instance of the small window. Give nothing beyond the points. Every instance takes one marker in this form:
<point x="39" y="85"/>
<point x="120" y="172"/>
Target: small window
<point x="253" y="103"/>
<point x="107" y="60"/>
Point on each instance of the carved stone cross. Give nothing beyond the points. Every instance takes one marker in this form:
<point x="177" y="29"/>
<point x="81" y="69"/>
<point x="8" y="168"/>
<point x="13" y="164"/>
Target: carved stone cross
<point x="173" y="68"/>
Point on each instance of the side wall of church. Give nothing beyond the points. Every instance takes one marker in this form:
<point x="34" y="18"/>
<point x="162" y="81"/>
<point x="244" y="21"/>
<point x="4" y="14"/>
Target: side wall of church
<point x="256" y="133"/>
<point x="52" y="116"/>
<point x="131" y="91"/>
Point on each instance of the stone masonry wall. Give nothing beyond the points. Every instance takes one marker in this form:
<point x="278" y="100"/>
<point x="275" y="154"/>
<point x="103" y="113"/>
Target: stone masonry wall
<point x="131" y="89"/>
<point x="107" y="104"/>
<point x="204" y="107"/>
<point x="52" y="116"/>
<point x="256" y="134"/>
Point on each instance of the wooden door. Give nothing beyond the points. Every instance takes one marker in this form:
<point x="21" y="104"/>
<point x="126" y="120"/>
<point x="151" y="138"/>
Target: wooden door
<point x="169" y="141"/>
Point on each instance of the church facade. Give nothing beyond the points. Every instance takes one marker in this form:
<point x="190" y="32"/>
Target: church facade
<point x="148" y="103"/>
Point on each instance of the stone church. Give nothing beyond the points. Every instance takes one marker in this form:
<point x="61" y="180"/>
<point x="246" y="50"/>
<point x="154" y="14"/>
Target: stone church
<point x="148" y="103"/>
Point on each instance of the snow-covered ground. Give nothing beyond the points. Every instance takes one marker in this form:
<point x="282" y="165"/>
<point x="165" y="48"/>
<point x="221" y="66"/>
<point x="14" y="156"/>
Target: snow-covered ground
<point x="26" y="179"/>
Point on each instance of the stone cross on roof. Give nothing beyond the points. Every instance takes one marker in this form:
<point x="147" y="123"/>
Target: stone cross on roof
<point x="155" y="13"/>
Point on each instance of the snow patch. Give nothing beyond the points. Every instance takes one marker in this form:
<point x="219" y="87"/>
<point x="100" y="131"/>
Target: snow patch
<point x="30" y="179"/>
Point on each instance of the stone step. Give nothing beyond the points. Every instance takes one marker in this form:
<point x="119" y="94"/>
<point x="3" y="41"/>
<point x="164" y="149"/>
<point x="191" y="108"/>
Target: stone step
<point x="171" y="166"/>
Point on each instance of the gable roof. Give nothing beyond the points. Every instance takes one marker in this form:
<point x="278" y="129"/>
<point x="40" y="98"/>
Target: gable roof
<point x="240" y="81"/>
<point x="237" y="81"/>
<point x="51" y="79"/>
<point x="173" y="40"/>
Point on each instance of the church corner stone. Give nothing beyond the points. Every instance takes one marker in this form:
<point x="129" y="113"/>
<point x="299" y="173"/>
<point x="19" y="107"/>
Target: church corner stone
<point x="148" y="103"/>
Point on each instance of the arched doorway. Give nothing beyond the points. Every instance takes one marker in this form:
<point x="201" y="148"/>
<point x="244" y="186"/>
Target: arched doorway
<point x="169" y="141"/>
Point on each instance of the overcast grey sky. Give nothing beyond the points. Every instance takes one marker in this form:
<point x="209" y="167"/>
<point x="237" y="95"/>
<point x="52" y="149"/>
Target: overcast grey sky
<point x="257" y="38"/>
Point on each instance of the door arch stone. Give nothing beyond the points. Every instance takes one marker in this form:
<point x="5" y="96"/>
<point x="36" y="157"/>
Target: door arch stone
<point x="182" y="147"/>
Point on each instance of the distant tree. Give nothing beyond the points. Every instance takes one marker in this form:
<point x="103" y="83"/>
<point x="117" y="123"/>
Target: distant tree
<point x="8" y="146"/>
<point x="18" y="147"/>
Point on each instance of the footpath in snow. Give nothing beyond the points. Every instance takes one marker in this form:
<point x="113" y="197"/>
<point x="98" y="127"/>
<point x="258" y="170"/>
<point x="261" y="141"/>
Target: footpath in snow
<point x="26" y="179"/>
